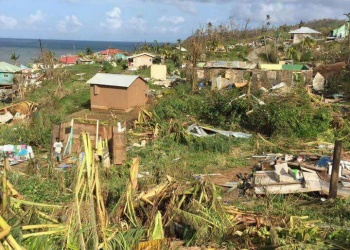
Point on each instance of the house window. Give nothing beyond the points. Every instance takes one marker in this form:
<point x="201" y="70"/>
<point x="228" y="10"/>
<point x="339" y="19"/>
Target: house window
<point x="96" y="90"/>
<point x="150" y="59"/>
<point x="6" y="75"/>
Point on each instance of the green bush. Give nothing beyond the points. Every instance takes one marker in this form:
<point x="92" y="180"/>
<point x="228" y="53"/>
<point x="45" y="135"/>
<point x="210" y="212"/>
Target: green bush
<point x="293" y="118"/>
<point x="223" y="109"/>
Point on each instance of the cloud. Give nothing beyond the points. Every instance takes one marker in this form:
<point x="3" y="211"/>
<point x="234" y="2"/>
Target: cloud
<point x="7" y="22"/>
<point x="113" y="19"/>
<point x="70" y="24"/>
<point x="36" y="18"/>
<point x="137" y="24"/>
<point x="167" y="30"/>
<point x="285" y="11"/>
<point x="186" y="6"/>
<point x="172" y="19"/>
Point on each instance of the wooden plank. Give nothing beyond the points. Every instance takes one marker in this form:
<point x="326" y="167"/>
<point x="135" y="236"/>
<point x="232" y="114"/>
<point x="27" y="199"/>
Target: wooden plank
<point x="309" y="166"/>
<point x="268" y="178"/>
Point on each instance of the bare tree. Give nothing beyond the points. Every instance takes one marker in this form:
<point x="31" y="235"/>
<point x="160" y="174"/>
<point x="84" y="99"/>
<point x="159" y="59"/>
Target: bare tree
<point x="195" y="47"/>
<point x="266" y="28"/>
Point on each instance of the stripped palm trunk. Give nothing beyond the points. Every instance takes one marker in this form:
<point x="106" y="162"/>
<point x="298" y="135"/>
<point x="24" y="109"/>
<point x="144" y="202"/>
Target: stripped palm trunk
<point x="88" y="217"/>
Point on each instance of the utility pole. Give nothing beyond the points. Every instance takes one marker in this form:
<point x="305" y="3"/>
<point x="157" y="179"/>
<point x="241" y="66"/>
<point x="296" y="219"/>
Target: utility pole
<point x="41" y="49"/>
<point x="333" y="187"/>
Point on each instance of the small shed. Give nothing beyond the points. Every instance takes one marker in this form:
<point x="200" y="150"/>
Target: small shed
<point x="7" y="72"/>
<point x="117" y="91"/>
<point x="299" y="34"/>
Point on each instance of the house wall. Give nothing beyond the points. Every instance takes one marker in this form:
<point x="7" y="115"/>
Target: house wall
<point x="137" y="93"/>
<point x="110" y="97"/>
<point x="141" y="61"/>
<point x="6" y="78"/>
<point x="262" y="78"/>
<point x="158" y="72"/>
<point x="297" y="38"/>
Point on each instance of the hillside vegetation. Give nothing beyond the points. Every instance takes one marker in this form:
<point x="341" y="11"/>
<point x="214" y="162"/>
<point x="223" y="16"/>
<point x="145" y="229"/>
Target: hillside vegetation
<point x="174" y="202"/>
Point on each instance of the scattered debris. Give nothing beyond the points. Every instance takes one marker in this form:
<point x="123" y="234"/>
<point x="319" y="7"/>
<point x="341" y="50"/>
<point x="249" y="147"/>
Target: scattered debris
<point x="16" y="153"/>
<point x="318" y="82"/>
<point x="205" y="131"/>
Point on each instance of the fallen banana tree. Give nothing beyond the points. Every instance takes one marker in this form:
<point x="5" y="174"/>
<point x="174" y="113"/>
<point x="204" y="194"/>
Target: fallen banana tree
<point x="147" y="219"/>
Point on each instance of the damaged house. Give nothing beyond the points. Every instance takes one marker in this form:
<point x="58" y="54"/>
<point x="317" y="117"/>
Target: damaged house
<point x="222" y="74"/>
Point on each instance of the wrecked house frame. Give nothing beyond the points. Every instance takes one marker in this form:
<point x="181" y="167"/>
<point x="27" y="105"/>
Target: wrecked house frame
<point x="70" y="134"/>
<point x="239" y="72"/>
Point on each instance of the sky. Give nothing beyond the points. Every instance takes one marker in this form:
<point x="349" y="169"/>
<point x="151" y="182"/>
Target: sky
<point x="149" y="20"/>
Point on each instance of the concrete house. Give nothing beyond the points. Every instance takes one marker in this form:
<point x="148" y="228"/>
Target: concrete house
<point x="7" y="72"/>
<point x="299" y="34"/>
<point x="138" y="60"/>
<point x="116" y="91"/>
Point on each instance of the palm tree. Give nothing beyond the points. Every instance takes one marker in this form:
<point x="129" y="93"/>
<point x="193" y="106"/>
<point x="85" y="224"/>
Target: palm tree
<point x="293" y="53"/>
<point x="89" y="51"/>
<point x="179" y="43"/>
<point x="14" y="57"/>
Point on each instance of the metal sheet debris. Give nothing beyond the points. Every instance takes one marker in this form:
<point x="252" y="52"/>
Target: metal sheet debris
<point x="205" y="131"/>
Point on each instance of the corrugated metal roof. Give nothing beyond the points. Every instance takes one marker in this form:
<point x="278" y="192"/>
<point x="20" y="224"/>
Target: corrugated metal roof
<point x="304" y="30"/>
<point x="116" y="80"/>
<point x="8" y="68"/>
<point x="137" y="55"/>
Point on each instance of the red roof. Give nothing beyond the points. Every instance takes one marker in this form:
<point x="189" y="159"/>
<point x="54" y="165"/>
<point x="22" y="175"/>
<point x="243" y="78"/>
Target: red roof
<point x="110" y="52"/>
<point x="69" y="59"/>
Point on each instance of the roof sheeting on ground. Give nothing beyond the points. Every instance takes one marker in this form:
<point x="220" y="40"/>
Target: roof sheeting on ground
<point x="116" y="80"/>
<point x="8" y="68"/>
<point x="231" y="65"/>
<point x="304" y="30"/>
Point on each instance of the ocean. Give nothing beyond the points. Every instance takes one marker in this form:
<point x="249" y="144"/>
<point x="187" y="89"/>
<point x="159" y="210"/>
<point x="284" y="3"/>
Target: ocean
<point x="27" y="49"/>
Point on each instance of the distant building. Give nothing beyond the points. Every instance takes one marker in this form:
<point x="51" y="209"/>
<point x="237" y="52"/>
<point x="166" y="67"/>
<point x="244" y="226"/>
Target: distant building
<point x="299" y="34"/>
<point x="116" y="91"/>
<point x="112" y="54"/>
<point x="341" y="32"/>
<point x="69" y="60"/>
<point x="143" y="59"/>
<point x="7" y="72"/>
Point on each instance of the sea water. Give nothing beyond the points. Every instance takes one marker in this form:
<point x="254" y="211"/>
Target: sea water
<point x="28" y="49"/>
